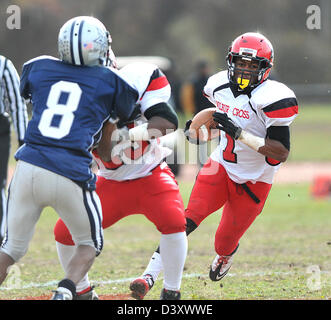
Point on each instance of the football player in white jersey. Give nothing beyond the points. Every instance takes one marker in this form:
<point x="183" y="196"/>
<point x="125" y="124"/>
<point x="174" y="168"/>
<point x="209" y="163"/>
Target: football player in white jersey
<point x="134" y="179"/>
<point x="253" y="114"/>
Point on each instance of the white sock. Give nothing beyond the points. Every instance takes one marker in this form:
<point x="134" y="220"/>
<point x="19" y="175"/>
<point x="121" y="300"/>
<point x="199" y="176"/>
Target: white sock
<point x="173" y="249"/>
<point x="65" y="253"/>
<point x="83" y="284"/>
<point x="154" y="266"/>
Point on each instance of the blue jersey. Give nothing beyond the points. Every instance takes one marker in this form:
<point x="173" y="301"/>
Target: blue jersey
<point x="70" y="104"/>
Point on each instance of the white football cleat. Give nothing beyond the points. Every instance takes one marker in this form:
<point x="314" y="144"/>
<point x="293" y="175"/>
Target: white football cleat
<point x="221" y="265"/>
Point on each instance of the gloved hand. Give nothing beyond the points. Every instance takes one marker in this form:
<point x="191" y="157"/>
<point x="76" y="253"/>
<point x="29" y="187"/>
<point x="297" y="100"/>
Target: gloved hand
<point x="227" y="125"/>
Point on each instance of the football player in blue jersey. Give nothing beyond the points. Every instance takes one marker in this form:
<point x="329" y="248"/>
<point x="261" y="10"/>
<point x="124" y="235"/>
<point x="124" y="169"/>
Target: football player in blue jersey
<point x="72" y="98"/>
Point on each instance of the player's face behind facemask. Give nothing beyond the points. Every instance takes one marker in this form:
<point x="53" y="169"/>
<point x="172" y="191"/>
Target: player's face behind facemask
<point x="246" y="72"/>
<point x="84" y="41"/>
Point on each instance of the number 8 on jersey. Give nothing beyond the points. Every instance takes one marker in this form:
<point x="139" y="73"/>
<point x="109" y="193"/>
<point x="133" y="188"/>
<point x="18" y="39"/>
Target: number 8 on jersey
<point x="56" y="108"/>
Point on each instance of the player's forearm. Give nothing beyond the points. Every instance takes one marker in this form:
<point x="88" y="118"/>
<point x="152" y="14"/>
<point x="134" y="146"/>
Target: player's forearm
<point x="274" y="149"/>
<point x="268" y="147"/>
<point x="104" y="145"/>
<point x="160" y="125"/>
<point x="155" y="127"/>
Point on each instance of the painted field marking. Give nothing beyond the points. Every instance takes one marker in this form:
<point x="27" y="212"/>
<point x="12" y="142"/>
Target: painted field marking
<point x="192" y="275"/>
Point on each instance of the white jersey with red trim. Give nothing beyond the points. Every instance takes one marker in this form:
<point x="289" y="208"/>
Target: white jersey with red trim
<point x="132" y="160"/>
<point x="270" y="104"/>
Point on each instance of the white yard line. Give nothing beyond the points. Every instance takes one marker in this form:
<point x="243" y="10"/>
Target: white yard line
<point x="192" y="275"/>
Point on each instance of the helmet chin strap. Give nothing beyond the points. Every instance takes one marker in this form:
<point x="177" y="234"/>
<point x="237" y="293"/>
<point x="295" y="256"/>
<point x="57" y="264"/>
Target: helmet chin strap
<point x="111" y="59"/>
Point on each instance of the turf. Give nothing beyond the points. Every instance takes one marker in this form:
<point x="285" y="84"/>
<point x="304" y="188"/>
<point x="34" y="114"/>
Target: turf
<point x="310" y="134"/>
<point x="276" y="255"/>
<point x="275" y="259"/>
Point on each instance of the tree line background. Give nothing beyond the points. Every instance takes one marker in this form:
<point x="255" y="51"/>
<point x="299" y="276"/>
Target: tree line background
<point x="186" y="31"/>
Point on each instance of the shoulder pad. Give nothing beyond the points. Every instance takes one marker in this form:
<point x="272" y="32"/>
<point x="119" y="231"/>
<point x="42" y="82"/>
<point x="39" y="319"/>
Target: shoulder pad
<point x="138" y="75"/>
<point x="270" y="92"/>
<point x="214" y="82"/>
<point x="43" y="57"/>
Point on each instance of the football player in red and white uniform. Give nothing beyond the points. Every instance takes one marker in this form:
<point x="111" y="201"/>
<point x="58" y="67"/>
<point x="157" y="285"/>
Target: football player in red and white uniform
<point x="254" y="114"/>
<point x="135" y="179"/>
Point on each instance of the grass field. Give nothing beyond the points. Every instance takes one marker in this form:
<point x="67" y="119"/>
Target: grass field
<point x="310" y="134"/>
<point x="274" y="261"/>
<point x="288" y="240"/>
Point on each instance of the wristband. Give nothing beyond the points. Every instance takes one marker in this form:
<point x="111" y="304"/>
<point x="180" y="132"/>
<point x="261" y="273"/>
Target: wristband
<point x="139" y="133"/>
<point x="252" y="141"/>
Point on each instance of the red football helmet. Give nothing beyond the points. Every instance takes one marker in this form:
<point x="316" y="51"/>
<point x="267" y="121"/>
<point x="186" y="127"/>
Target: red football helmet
<point x="252" y="47"/>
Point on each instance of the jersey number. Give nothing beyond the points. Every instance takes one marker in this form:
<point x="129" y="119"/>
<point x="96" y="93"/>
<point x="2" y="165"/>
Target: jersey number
<point x="228" y="154"/>
<point x="61" y="113"/>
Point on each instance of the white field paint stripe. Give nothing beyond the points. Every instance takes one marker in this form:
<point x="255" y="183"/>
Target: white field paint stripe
<point x="192" y="275"/>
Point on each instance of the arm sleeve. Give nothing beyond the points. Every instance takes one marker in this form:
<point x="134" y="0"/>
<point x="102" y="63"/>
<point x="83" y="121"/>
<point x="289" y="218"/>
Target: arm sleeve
<point x="24" y="85"/>
<point x="162" y="110"/>
<point x="281" y="134"/>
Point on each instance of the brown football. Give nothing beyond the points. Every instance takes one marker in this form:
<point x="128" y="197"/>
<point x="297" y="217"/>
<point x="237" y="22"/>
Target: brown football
<point x="202" y="125"/>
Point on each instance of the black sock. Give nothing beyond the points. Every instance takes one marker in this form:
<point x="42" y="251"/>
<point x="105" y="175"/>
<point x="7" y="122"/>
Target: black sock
<point x="68" y="284"/>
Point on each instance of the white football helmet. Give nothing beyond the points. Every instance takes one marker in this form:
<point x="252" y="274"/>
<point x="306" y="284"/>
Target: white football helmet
<point x="85" y="41"/>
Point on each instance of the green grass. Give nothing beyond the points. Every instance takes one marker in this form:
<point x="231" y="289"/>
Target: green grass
<point x="291" y="235"/>
<point x="310" y="134"/>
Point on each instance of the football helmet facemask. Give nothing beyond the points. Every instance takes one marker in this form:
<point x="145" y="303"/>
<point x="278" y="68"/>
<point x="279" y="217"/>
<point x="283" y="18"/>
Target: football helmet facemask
<point x="85" y="41"/>
<point x="252" y="47"/>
